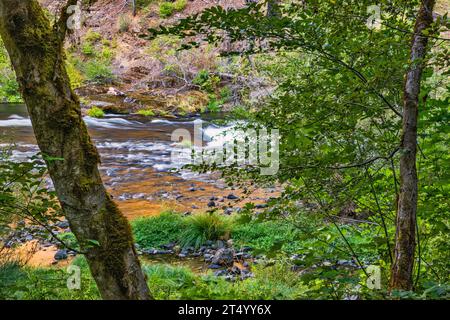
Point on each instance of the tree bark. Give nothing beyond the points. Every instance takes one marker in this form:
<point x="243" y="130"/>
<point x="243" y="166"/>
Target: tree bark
<point x="405" y="237"/>
<point x="36" y="51"/>
<point x="273" y="8"/>
<point x="133" y="4"/>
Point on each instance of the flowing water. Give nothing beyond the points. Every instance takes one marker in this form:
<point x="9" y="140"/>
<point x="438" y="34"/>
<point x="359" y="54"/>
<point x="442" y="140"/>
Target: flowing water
<point x="137" y="169"/>
<point x="136" y="159"/>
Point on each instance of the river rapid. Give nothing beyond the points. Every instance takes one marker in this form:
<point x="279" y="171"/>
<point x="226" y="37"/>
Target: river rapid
<point x="136" y="162"/>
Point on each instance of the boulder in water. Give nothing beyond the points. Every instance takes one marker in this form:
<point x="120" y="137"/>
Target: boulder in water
<point x="61" y="254"/>
<point x="114" y="92"/>
<point x="223" y="256"/>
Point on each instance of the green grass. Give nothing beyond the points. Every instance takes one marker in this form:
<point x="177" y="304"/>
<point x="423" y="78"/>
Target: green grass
<point x="155" y="231"/>
<point x="165" y="282"/>
<point x="69" y="240"/>
<point x="270" y="282"/>
<point x="75" y="76"/>
<point x="263" y="236"/>
<point x="23" y="283"/>
<point x="95" y="112"/>
<point x="172" y="227"/>
<point x="98" y="71"/>
<point x="195" y="230"/>
<point x="88" y="49"/>
<point x="205" y="226"/>
<point x="124" y="23"/>
<point x="179" y="5"/>
<point x="146" y="113"/>
<point x="166" y="9"/>
<point x="94" y="64"/>
<point x="92" y="36"/>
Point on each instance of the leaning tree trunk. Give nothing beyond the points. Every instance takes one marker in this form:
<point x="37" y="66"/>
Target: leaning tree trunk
<point x="37" y="54"/>
<point x="405" y="238"/>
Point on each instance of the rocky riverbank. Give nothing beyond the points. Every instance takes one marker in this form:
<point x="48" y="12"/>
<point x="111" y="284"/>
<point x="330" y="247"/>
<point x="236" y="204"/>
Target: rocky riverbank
<point x="156" y="103"/>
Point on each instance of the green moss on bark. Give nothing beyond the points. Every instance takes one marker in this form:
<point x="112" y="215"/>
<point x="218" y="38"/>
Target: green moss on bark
<point x="119" y="240"/>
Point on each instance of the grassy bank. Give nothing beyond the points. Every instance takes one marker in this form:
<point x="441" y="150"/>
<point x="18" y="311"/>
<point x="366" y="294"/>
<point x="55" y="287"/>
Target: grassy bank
<point x="165" y="281"/>
<point x="298" y="264"/>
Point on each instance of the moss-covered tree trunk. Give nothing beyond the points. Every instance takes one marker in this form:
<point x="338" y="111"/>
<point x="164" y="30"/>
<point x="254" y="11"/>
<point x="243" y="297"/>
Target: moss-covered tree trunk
<point x="405" y="237"/>
<point x="36" y="51"/>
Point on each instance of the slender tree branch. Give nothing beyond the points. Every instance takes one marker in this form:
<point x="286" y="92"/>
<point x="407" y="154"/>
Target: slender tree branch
<point x="356" y="165"/>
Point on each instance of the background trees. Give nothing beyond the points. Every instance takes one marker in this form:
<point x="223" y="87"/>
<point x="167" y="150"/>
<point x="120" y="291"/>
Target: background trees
<point x="362" y="151"/>
<point x="340" y="104"/>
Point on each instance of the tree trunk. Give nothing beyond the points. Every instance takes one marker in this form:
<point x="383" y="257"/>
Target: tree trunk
<point x="405" y="237"/>
<point x="133" y="4"/>
<point x="36" y="51"/>
<point x="273" y="9"/>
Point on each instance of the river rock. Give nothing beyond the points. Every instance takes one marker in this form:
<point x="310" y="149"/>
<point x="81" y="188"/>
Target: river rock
<point x="211" y="204"/>
<point x="114" y="92"/>
<point x="346" y="263"/>
<point x="169" y="246"/>
<point x="235" y="270"/>
<point x="214" y="266"/>
<point x="125" y="197"/>
<point x="61" y="254"/>
<point x="231" y="196"/>
<point x="129" y="100"/>
<point x="62" y="224"/>
<point x="223" y="256"/>
<point x="228" y="211"/>
<point x="208" y="256"/>
<point x="245" y="274"/>
<point x="100" y="104"/>
<point x="220" y="244"/>
<point x="220" y="273"/>
<point x="230" y="278"/>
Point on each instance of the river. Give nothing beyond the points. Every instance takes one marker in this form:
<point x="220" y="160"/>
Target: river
<point x="136" y="161"/>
